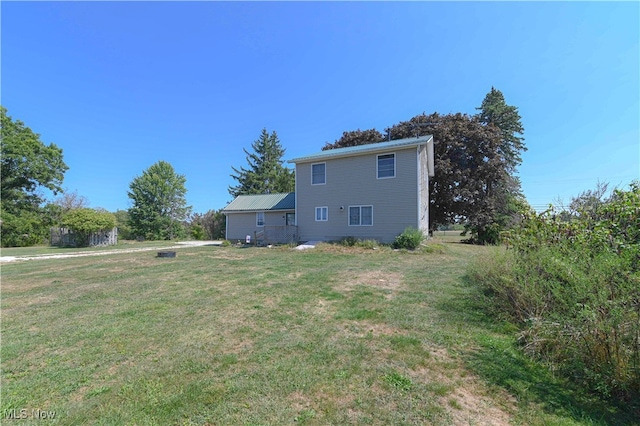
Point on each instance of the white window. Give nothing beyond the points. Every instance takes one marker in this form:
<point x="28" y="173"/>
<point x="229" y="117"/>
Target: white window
<point x="318" y="174"/>
<point x="259" y="218"/>
<point x="360" y="215"/>
<point x="322" y="214"/>
<point x="386" y="166"/>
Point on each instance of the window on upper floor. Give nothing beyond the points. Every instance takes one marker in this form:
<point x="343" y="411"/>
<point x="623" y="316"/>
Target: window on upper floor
<point x="360" y="215"/>
<point x="319" y="174"/>
<point x="386" y="166"/>
<point x="322" y="214"/>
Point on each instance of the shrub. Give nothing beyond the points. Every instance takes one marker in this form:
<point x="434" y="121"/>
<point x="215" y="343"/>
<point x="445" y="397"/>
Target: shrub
<point x="410" y="239"/>
<point x="25" y="229"/>
<point x="197" y="231"/>
<point x="574" y="288"/>
<point x="349" y="241"/>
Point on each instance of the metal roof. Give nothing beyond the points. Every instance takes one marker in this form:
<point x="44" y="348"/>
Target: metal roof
<point x="262" y="202"/>
<point x="362" y="149"/>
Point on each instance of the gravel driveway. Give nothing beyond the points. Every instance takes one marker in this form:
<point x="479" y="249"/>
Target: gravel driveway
<point x="181" y="244"/>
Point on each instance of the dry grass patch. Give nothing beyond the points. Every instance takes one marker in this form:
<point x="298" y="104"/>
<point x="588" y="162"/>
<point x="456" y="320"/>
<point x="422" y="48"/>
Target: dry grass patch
<point x="466" y="399"/>
<point x="362" y="329"/>
<point x="390" y="283"/>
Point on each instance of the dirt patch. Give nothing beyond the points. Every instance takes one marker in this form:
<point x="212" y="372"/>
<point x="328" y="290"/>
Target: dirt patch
<point x="468" y="401"/>
<point x="471" y="408"/>
<point x="323" y="309"/>
<point x="461" y="394"/>
<point x="389" y="282"/>
<point x="299" y="401"/>
<point x="363" y="328"/>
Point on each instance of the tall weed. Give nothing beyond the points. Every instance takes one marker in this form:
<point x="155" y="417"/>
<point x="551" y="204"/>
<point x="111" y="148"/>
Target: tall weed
<point x="574" y="287"/>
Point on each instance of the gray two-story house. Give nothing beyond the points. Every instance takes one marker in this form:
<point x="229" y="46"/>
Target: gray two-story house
<point x="369" y="191"/>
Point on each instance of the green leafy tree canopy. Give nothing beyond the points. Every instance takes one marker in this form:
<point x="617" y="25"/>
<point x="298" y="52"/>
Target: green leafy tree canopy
<point x="355" y="138"/>
<point x="26" y="166"/>
<point x="159" y="203"/>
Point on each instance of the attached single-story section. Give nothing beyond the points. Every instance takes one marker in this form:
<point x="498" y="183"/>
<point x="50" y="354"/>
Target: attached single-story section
<point x="267" y="218"/>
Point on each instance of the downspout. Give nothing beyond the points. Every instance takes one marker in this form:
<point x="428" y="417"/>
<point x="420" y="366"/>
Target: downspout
<point x="226" y="226"/>
<point x="419" y="169"/>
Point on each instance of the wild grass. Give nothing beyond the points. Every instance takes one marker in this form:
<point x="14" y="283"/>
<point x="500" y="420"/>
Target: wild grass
<point x="226" y="335"/>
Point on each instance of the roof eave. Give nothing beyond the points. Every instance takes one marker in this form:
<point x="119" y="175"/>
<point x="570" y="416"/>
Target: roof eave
<point x="372" y="150"/>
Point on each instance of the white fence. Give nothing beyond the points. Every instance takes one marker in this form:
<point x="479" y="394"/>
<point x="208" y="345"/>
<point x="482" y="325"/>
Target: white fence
<point x="63" y="237"/>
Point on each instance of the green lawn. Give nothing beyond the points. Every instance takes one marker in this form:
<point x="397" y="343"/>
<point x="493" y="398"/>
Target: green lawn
<point x="257" y="336"/>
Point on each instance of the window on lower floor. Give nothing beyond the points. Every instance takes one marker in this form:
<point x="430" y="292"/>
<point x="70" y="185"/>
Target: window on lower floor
<point x="322" y="214"/>
<point x="360" y="215"/>
<point x="260" y="219"/>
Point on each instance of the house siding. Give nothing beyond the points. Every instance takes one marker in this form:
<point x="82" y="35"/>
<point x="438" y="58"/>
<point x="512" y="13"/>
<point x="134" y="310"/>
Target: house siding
<point x="241" y="224"/>
<point x="352" y="181"/>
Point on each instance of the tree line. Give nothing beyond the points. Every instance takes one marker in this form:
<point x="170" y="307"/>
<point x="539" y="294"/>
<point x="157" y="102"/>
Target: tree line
<point x="159" y="209"/>
<point x="475" y="183"/>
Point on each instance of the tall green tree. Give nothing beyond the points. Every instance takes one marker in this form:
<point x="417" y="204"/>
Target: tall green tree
<point x="159" y="203"/>
<point x="266" y="172"/>
<point x="27" y="166"/>
<point x="469" y="166"/>
<point x="494" y="111"/>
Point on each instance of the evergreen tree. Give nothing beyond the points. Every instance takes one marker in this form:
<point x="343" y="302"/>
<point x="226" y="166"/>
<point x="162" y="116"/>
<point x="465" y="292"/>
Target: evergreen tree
<point x="495" y="111"/>
<point x="265" y="173"/>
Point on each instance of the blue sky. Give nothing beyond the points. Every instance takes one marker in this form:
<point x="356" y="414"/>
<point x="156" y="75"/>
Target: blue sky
<point x="121" y="85"/>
